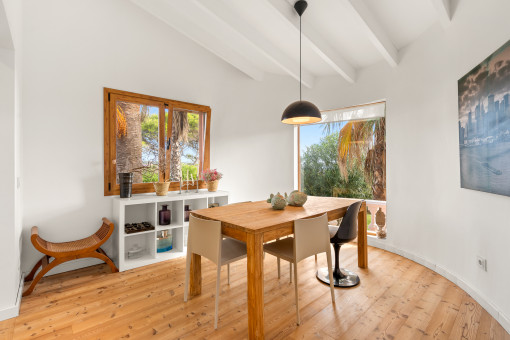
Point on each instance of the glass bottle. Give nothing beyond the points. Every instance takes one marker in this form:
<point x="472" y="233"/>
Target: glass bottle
<point x="186" y="213"/>
<point x="164" y="215"/>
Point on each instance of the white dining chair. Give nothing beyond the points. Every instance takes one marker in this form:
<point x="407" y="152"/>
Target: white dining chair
<point x="311" y="237"/>
<point x="205" y="239"/>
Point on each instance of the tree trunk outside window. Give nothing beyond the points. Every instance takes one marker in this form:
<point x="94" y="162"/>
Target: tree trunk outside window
<point x="379" y="175"/>
<point x="129" y="146"/>
<point x="180" y="130"/>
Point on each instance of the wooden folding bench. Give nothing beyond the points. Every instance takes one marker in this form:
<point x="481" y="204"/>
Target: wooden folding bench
<point x="68" y="251"/>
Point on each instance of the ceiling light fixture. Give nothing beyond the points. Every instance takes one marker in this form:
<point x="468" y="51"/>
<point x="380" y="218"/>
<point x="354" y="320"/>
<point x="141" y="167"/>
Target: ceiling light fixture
<point x="301" y="112"/>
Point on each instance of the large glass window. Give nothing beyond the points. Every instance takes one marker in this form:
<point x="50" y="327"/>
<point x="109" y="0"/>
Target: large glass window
<point x="155" y="138"/>
<point x="345" y="156"/>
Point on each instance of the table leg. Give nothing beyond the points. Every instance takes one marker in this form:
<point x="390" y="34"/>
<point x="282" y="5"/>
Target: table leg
<point x="195" y="277"/>
<point x="254" y="244"/>
<point x="362" y="237"/>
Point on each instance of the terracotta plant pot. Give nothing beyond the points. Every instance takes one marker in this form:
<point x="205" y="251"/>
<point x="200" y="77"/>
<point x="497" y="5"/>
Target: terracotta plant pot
<point x="212" y="186"/>
<point x="161" y="188"/>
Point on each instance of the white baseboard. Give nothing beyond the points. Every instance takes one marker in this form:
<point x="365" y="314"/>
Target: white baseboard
<point x="475" y="294"/>
<point x="13" y="311"/>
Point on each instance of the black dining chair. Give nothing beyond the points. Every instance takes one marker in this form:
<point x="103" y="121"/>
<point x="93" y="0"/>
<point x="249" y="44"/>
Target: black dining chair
<point x="346" y="232"/>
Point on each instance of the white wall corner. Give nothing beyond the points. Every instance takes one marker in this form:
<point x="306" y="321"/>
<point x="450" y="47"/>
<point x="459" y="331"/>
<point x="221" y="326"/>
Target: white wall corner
<point x="13" y="311"/>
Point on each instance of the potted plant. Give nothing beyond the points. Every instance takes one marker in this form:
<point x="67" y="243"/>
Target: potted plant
<point x="211" y="177"/>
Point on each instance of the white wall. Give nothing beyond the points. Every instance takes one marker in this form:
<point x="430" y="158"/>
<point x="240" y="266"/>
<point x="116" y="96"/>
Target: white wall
<point x="75" y="48"/>
<point x="429" y="215"/>
<point x="10" y="154"/>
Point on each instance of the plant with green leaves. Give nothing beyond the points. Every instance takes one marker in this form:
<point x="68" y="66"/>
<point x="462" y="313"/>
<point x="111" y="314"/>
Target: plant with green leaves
<point x="362" y="144"/>
<point x="321" y="174"/>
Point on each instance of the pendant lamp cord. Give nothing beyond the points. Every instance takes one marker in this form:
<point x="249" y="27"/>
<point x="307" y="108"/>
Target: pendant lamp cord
<point x="300" y="57"/>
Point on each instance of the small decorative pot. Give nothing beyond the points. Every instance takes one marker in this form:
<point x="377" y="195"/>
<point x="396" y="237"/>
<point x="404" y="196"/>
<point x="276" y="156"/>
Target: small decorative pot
<point x="297" y="198"/>
<point x="126" y="183"/>
<point x="161" y="188"/>
<point x="212" y="186"/>
<point x="278" y="202"/>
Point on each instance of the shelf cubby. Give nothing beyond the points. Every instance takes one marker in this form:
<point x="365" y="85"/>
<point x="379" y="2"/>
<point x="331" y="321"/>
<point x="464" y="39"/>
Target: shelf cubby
<point x="145" y="240"/>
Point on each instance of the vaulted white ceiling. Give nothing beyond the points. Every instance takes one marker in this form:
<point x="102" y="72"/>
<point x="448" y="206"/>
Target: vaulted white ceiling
<point x="340" y="37"/>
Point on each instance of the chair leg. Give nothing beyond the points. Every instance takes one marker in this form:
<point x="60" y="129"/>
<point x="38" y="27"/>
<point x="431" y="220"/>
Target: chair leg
<point x="278" y="261"/>
<point x="186" y="279"/>
<point x="30" y="276"/>
<point x="228" y="273"/>
<point x="290" y="271"/>
<point x="315" y="257"/>
<point x="331" y="280"/>
<point x="297" y="295"/>
<point x="217" y="298"/>
<point x="39" y="276"/>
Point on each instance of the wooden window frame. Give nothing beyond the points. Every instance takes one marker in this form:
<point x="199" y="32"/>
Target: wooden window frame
<point x="110" y="153"/>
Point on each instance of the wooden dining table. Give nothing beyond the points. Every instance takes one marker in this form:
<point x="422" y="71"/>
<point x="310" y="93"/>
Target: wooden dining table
<point x="256" y="223"/>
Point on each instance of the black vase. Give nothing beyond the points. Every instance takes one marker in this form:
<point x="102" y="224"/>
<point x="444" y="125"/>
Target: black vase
<point x="165" y="215"/>
<point x="126" y="183"/>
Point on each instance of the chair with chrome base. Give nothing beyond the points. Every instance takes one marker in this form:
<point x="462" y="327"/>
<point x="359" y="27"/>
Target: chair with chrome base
<point x="205" y="239"/>
<point x="346" y="232"/>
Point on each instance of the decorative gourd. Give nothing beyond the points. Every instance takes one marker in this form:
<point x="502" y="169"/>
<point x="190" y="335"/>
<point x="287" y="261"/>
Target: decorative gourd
<point x="270" y="198"/>
<point x="297" y="198"/>
<point x="278" y="202"/>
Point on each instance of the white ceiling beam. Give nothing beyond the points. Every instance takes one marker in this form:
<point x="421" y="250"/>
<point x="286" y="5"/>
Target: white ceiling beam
<point x="193" y="25"/>
<point x="223" y="12"/>
<point x="374" y="31"/>
<point x="443" y="10"/>
<point x="314" y="39"/>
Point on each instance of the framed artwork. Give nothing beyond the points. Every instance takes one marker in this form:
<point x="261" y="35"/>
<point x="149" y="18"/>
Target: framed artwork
<point x="484" y="124"/>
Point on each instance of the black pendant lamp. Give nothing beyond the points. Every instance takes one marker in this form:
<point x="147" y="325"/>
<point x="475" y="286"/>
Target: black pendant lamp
<point x="301" y="112"/>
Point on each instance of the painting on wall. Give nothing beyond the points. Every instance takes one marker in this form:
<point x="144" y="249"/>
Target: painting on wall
<point x="484" y="124"/>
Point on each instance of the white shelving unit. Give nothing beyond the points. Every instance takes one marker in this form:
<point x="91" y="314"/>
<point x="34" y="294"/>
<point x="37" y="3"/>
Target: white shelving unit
<point x="145" y="208"/>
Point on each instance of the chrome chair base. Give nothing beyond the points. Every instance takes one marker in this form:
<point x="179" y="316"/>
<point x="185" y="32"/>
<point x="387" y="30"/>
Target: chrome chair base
<point x="346" y="279"/>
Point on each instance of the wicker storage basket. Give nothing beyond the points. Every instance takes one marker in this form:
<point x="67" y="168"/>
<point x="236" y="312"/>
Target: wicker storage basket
<point x="212" y="186"/>
<point x="161" y="188"/>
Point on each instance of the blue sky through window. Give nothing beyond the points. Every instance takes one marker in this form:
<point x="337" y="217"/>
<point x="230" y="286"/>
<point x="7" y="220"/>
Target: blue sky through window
<point x="312" y="134"/>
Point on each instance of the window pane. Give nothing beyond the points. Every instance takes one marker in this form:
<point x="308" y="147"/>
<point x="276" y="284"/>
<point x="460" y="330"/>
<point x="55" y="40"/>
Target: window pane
<point x="188" y="134"/>
<point x="321" y="169"/>
<point x="138" y="141"/>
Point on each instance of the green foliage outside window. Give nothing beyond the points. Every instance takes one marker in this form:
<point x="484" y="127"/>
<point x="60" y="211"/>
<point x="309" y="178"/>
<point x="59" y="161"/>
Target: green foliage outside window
<point x="150" y="146"/>
<point x="320" y="172"/>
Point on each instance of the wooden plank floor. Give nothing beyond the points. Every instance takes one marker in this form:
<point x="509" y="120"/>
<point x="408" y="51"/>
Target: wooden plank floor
<point x="397" y="299"/>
